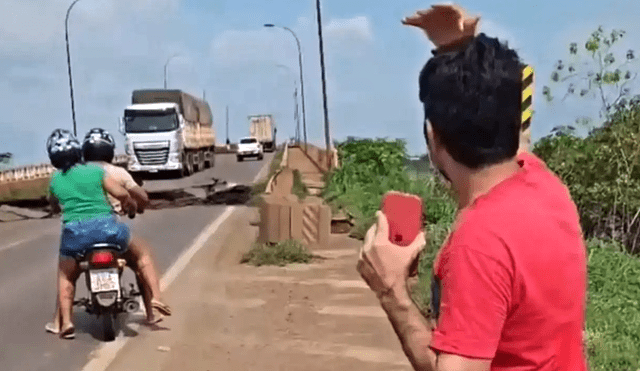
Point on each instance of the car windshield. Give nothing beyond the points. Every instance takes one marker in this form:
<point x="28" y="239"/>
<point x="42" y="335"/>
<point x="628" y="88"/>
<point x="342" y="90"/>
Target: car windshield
<point x="150" y="121"/>
<point x="248" y="141"/>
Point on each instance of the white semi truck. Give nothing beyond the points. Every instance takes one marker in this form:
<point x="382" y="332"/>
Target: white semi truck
<point x="262" y="127"/>
<point x="168" y="132"/>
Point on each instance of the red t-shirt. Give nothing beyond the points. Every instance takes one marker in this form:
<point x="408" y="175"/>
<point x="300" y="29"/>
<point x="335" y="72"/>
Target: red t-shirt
<point x="510" y="282"/>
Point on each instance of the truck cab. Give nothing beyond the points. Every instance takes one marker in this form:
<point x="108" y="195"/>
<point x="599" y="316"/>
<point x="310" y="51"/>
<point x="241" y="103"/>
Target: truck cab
<point x="249" y="147"/>
<point x="153" y="137"/>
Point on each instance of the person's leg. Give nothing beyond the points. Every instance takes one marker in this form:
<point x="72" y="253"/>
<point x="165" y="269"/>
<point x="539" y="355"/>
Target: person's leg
<point x="54" y="326"/>
<point x="140" y="251"/>
<point x="67" y="275"/>
<point x="143" y="287"/>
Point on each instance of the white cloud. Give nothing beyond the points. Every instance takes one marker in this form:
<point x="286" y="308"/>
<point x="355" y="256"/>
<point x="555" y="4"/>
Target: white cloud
<point x="116" y="46"/>
<point x="356" y="29"/>
<point x="235" y="48"/>
<point x="34" y="27"/>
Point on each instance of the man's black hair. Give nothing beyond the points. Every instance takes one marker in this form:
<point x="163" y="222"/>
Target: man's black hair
<point x="472" y="98"/>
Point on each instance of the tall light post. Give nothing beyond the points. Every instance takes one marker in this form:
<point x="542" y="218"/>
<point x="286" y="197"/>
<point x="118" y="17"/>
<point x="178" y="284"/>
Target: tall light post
<point x="304" y="115"/>
<point x="327" y="133"/>
<point x="296" y="116"/>
<point x="66" y="36"/>
<point x="165" y="69"/>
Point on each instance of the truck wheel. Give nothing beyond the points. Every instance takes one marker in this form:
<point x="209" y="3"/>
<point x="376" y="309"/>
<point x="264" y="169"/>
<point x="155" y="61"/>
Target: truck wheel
<point x="187" y="164"/>
<point x="260" y="156"/>
<point x="201" y="160"/>
<point x="208" y="155"/>
<point x="239" y="158"/>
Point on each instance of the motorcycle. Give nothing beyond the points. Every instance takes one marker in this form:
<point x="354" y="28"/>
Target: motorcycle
<point x="103" y="265"/>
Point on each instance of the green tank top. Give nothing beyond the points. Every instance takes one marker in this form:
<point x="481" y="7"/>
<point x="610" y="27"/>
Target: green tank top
<point x="80" y="192"/>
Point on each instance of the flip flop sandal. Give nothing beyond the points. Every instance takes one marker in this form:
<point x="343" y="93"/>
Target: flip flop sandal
<point x="161" y="307"/>
<point x="52" y="328"/>
<point x="155" y="321"/>
<point x="69" y="333"/>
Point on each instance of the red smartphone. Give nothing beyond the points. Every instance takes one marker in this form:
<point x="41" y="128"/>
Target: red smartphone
<point x="404" y="215"/>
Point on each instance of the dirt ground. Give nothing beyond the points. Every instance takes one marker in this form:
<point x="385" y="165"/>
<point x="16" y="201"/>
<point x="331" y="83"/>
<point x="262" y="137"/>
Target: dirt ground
<point x="229" y="316"/>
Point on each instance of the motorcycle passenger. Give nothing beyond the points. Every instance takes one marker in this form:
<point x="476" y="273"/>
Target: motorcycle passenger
<point x="99" y="148"/>
<point x="75" y="191"/>
<point x="87" y="217"/>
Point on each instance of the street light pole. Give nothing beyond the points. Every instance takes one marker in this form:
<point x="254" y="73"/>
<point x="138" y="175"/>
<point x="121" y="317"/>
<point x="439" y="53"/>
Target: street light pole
<point x="66" y="36"/>
<point x="296" y="115"/>
<point x="304" y="115"/>
<point x="165" y="69"/>
<point x="327" y="133"/>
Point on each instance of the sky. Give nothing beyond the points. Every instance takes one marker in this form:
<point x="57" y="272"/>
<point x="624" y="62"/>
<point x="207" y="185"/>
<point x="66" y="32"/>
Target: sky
<point x="224" y="53"/>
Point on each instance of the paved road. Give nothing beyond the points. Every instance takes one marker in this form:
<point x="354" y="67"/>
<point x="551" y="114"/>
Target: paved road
<point x="28" y="256"/>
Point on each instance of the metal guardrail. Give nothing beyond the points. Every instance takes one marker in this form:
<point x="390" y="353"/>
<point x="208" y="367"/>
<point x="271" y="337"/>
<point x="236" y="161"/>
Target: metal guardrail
<point x="40" y="171"/>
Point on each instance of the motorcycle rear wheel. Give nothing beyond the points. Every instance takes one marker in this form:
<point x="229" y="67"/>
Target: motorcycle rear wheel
<point x="108" y="326"/>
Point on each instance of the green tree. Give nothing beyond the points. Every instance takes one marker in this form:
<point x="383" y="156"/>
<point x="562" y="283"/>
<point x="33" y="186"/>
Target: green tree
<point x="601" y="71"/>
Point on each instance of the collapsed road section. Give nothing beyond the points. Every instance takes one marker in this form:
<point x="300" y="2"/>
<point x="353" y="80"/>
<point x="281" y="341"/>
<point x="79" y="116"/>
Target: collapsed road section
<point x="216" y="192"/>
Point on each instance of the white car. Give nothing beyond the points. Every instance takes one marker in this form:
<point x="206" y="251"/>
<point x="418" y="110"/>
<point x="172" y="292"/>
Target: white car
<point x="249" y="147"/>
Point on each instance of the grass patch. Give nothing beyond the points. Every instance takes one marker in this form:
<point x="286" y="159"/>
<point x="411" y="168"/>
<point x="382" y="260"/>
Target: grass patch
<point x="299" y="188"/>
<point x="613" y="310"/>
<point x="280" y="254"/>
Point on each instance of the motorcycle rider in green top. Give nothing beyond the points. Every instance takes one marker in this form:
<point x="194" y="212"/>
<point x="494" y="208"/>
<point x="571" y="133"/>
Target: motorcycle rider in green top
<point x="88" y="218"/>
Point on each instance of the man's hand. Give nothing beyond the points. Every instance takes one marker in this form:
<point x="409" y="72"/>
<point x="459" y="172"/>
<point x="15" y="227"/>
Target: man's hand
<point x="129" y="206"/>
<point x="444" y="24"/>
<point x="383" y="265"/>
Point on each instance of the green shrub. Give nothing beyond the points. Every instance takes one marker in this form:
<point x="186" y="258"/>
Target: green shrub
<point x="370" y="168"/>
<point x="602" y="172"/>
<point x="280" y="254"/>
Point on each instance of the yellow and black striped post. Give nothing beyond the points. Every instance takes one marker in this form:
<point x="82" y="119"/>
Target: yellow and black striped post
<point x="527" y="96"/>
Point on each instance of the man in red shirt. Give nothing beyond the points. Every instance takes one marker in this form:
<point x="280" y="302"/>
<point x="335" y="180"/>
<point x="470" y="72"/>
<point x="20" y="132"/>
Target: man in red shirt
<point x="509" y="284"/>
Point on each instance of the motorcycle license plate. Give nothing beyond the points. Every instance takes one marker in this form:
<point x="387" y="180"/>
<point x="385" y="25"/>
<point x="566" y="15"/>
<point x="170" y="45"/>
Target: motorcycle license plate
<point x="104" y="280"/>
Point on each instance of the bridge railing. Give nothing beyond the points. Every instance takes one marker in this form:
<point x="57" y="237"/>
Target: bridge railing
<point x="29" y="172"/>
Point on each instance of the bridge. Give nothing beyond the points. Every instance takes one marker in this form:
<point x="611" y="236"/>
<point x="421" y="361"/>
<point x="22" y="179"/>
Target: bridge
<point x="29" y="255"/>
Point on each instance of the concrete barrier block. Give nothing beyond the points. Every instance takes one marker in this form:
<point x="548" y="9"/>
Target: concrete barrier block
<point x="324" y="227"/>
<point x="269" y="217"/>
<point x="275" y="219"/>
<point x="284" y="222"/>
<point x="296" y="220"/>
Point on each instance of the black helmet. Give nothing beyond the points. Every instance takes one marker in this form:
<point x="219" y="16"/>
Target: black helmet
<point x="98" y="145"/>
<point x="64" y="149"/>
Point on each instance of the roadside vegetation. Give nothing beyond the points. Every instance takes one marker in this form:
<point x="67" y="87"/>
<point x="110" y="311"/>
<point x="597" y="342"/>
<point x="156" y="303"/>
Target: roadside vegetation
<point x="370" y="168"/>
<point x="601" y="171"/>
<point x="299" y="188"/>
<point x="280" y="254"/>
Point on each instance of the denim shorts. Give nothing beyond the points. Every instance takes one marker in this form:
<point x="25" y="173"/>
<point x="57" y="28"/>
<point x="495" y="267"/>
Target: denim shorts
<point x="79" y="235"/>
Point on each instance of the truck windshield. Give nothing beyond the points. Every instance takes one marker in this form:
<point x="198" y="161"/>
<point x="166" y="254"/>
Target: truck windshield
<point x="150" y="121"/>
<point x="248" y="141"/>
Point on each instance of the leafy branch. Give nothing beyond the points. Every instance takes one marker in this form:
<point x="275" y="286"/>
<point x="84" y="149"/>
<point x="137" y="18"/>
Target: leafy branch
<point x="594" y="73"/>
